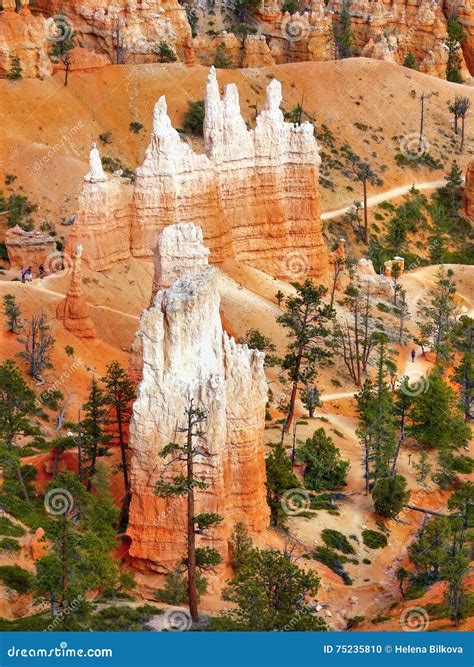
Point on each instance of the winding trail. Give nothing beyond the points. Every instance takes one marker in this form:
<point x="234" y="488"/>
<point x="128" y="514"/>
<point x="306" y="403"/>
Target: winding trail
<point x="385" y="196"/>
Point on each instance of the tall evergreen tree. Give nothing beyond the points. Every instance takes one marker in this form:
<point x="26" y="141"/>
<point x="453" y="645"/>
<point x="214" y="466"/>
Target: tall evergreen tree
<point x="185" y="483"/>
<point x="436" y="419"/>
<point x="119" y="395"/>
<point x="306" y="319"/>
<point x="94" y="435"/>
<point x="17" y="407"/>
<point x="438" y="316"/>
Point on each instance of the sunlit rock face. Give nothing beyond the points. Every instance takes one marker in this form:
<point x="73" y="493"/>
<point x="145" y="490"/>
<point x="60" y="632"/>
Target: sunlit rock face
<point x="254" y="192"/>
<point x="187" y="355"/>
<point x="73" y="311"/>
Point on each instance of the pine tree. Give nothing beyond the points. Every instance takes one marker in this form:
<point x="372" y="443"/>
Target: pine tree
<point x="17" y="407"/>
<point x="456" y="34"/>
<point x="165" y="53"/>
<point x="12" y="313"/>
<point x="436" y="419"/>
<point x="78" y="561"/>
<point x="280" y="478"/>
<point x="102" y="513"/>
<point x="185" y="484"/>
<point x="423" y="467"/>
<point x="119" y="394"/>
<point x="63" y="44"/>
<point x="271" y="593"/>
<point x="438" y="316"/>
<point x="410" y="61"/>
<point x="325" y="469"/>
<point x="343" y="34"/>
<point x="222" y="59"/>
<point x="94" y="436"/>
<point x="16" y="71"/>
<point x="390" y="495"/>
<point x="37" y="342"/>
<point x="306" y="319"/>
<point x="240" y="547"/>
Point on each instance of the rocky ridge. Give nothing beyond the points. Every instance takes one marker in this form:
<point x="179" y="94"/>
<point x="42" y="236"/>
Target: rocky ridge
<point x="188" y="356"/>
<point x="254" y="192"/>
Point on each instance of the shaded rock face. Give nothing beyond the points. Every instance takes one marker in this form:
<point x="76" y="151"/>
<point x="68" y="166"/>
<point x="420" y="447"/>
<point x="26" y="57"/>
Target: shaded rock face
<point x="33" y="249"/>
<point x="141" y="25"/>
<point x="187" y="355"/>
<point x="381" y="29"/>
<point x="469" y="191"/>
<point x="73" y="311"/>
<point x="254" y="192"/>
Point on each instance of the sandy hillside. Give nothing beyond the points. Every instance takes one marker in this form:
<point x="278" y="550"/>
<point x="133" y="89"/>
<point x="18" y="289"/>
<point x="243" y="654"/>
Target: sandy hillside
<point x="370" y="105"/>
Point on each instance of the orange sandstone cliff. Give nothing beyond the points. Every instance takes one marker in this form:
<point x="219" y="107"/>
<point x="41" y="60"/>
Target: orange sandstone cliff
<point x="188" y="356"/>
<point x="253" y="192"/>
<point x="72" y="311"/>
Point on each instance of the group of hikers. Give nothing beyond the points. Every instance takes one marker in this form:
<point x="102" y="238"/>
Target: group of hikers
<point x="27" y="274"/>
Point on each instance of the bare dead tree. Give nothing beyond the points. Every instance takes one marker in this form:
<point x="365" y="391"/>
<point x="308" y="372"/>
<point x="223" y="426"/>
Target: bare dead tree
<point x="37" y="342"/>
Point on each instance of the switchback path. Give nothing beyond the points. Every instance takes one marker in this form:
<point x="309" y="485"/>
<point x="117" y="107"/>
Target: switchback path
<point x="385" y="196"/>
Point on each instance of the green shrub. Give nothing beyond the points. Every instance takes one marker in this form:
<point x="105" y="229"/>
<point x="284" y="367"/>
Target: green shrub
<point x="373" y="539"/>
<point x="123" y="619"/>
<point x="380" y="619"/>
<point x="336" y="540"/>
<point x="9" y="528"/>
<point x="333" y="561"/>
<point x="354" y="622"/>
<point x="367" y="561"/>
<point x="165" y="53"/>
<point x="9" y="545"/>
<point x="194" y="117"/>
<point x="16" y="578"/>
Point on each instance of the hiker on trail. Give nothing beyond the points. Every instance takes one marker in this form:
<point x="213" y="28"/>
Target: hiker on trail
<point x="41" y="271"/>
<point x="23" y="275"/>
<point x="413" y="354"/>
<point x="29" y="274"/>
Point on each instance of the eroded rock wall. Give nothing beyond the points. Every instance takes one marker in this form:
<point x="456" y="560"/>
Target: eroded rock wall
<point x="188" y="356"/>
<point x="254" y="192"/>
